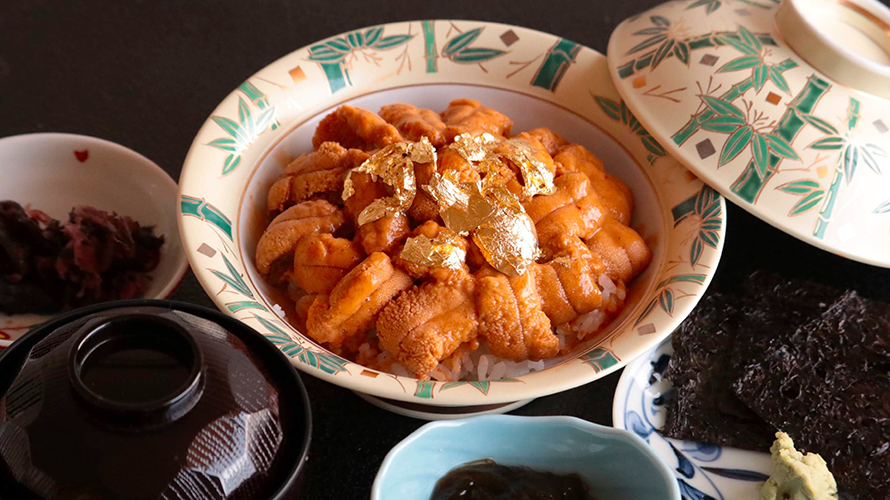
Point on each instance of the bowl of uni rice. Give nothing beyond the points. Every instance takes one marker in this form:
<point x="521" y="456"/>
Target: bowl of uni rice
<point x="447" y="217"/>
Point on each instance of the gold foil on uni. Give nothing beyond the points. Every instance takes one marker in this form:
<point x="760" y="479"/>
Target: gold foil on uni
<point x="394" y="165"/>
<point x="441" y="251"/>
<point x="501" y="229"/>
<point x="490" y="156"/>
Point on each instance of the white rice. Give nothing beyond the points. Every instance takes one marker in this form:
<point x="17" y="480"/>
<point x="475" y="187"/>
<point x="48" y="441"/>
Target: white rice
<point x="608" y="287"/>
<point x="481" y="365"/>
<point x="278" y="311"/>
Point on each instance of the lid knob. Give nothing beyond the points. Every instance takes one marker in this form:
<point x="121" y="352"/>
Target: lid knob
<point x="848" y="40"/>
<point x="137" y="369"/>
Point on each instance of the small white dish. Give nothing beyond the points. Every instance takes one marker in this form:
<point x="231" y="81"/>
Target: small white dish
<point x="703" y="471"/>
<point x="55" y="172"/>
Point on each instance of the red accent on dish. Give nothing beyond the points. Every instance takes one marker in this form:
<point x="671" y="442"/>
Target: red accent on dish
<point x="4" y="335"/>
<point x="82" y="155"/>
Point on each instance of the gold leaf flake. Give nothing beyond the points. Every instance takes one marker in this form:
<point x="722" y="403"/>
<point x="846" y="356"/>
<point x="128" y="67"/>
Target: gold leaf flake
<point x="394" y="165"/>
<point x="441" y="251"/>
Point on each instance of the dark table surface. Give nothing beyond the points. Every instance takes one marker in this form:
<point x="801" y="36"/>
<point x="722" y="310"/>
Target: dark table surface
<point x="146" y="74"/>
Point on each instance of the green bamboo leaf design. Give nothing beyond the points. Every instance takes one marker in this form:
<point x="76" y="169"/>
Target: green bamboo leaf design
<point x="681" y="51"/>
<point x="645" y="44"/>
<point x="243" y="112"/>
<point x="711" y="5"/>
<point x="883" y="208"/>
<point x="323" y="50"/>
<point x="738" y="44"/>
<point x="476" y="55"/>
<point x="663" y="50"/>
<point x="761" y="75"/>
<point x="459" y="42"/>
<point x="870" y="160"/>
<point x="696" y="251"/>
<point x="660" y="21"/>
<point x="822" y="125"/>
<point x="233" y="129"/>
<point x="264" y="120"/>
<point x="225" y="144"/>
<point x="776" y="76"/>
<point x="391" y="41"/>
<point x="329" y="55"/>
<point x="807" y="203"/>
<point x="636" y="126"/>
<point x="272" y="327"/>
<point x="706" y="198"/>
<point x="339" y="44"/>
<point x="234" y="281"/>
<point x="761" y="154"/>
<point x="372" y="35"/>
<point x="354" y="39"/>
<point x="231" y="163"/>
<point x="647" y="311"/>
<point x="781" y="147"/>
<point x="713" y="210"/>
<point x="625" y="113"/>
<point x="721" y="107"/>
<point x="725" y="124"/>
<point x="666" y="300"/>
<point x="876" y="150"/>
<point x="653" y="146"/>
<point x="651" y="31"/>
<point x="744" y="62"/>
<point x="851" y="159"/>
<point x="828" y="144"/>
<point x="330" y="363"/>
<point x="711" y="225"/>
<point x="709" y="238"/>
<point x="749" y="39"/>
<point x="800" y="187"/>
<point x="684" y="278"/>
<point x="609" y="107"/>
<point x="736" y="143"/>
<point x="246" y="120"/>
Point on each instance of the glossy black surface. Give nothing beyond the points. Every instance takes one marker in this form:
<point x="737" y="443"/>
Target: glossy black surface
<point x="215" y="431"/>
<point x="147" y="74"/>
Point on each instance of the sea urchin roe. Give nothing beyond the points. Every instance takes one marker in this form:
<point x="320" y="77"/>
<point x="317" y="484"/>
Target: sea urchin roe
<point x="488" y="480"/>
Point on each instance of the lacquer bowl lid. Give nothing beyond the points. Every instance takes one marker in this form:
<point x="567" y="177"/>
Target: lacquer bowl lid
<point x="150" y="399"/>
<point x="782" y="107"/>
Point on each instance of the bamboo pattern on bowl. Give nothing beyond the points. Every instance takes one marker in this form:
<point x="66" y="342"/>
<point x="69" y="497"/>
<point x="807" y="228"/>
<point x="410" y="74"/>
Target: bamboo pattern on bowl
<point x="440" y="51"/>
<point x="758" y="122"/>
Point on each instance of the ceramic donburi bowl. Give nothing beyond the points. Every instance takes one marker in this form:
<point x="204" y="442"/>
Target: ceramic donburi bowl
<point x="539" y="80"/>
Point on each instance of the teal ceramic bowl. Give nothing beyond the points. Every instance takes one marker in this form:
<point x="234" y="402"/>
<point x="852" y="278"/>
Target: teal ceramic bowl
<point x="616" y="464"/>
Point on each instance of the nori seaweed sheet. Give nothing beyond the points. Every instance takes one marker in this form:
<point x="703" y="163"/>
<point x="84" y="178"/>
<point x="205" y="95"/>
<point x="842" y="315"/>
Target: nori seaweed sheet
<point x="702" y="405"/>
<point x="714" y="345"/>
<point x="828" y="387"/>
<point x="772" y="310"/>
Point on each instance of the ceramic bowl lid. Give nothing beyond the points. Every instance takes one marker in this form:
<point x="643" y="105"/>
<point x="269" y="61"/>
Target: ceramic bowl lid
<point x="783" y="108"/>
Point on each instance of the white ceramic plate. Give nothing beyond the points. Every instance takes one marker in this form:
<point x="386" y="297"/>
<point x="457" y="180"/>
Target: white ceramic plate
<point x="719" y="83"/>
<point x="56" y="172"/>
<point x="535" y="78"/>
<point x="703" y="471"/>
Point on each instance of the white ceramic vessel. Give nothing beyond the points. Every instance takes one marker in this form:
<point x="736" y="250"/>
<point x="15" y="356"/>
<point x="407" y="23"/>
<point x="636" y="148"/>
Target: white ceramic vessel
<point x="535" y="78"/>
<point x="56" y="172"/>
<point x="783" y="108"/>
